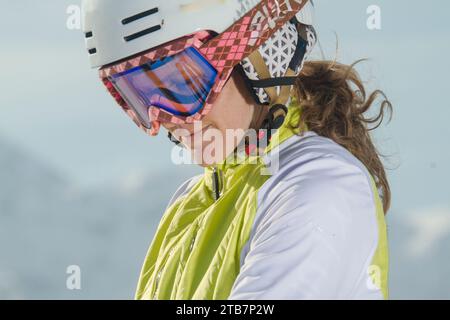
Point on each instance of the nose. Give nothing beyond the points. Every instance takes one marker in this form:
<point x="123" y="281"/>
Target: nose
<point x="155" y="124"/>
<point x="152" y="113"/>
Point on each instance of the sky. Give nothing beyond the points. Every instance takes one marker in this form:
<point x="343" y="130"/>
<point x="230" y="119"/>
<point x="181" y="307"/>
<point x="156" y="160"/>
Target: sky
<point x="53" y="106"/>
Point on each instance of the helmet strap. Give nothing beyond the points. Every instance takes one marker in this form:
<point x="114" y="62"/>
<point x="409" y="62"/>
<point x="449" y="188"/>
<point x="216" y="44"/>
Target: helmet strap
<point x="174" y="140"/>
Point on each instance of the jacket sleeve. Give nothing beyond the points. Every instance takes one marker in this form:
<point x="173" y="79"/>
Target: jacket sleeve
<point x="314" y="235"/>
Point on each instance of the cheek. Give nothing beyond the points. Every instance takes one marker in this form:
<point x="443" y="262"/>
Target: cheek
<point x="216" y="117"/>
<point x="230" y="111"/>
<point x="227" y="113"/>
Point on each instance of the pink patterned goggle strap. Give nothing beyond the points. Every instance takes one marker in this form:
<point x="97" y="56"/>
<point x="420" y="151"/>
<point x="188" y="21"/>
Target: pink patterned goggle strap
<point x="194" y="40"/>
<point x="248" y="33"/>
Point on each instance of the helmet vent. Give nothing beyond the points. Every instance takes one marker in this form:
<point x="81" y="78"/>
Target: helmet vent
<point x="92" y="51"/>
<point x="88" y="34"/>
<point x="139" y="16"/>
<point x="142" y="33"/>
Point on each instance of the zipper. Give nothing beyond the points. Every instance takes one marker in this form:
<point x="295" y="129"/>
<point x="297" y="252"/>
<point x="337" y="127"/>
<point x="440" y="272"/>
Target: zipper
<point x="158" y="274"/>
<point x="193" y="241"/>
<point x="216" y="181"/>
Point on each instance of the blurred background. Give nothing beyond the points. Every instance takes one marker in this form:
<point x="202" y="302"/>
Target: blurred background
<point x="81" y="185"/>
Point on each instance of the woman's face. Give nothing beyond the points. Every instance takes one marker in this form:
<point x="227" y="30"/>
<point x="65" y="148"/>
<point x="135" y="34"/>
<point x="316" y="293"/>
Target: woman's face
<point x="214" y="137"/>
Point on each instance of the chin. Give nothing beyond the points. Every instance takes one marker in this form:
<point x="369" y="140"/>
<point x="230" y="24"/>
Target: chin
<point x="203" y="158"/>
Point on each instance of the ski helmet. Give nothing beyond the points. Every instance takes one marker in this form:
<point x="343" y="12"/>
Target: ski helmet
<point x="116" y="30"/>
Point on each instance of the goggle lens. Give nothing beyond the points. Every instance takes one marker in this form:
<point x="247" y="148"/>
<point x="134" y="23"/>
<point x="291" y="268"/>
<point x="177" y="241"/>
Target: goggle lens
<point x="179" y="84"/>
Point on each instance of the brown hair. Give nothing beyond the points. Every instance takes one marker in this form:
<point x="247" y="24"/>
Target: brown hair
<point x="332" y="108"/>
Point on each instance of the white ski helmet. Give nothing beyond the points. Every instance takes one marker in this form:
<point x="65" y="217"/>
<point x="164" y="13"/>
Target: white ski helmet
<point x="107" y="24"/>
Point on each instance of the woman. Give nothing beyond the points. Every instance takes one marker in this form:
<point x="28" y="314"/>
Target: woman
<point x="289" y="206"/>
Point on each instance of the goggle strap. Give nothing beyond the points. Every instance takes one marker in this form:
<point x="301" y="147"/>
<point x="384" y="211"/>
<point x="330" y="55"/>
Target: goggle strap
<point x="273" y="82"/>
<point x="263" y="72"/>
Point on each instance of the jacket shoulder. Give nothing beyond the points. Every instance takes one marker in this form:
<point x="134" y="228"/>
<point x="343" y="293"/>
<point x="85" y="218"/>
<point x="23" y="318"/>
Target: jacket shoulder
<point x="183" y="189"/>
<point x="315" y="217"/>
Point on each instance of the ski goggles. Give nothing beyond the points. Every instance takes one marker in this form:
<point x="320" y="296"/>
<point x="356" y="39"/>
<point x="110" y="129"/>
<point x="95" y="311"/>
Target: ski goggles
<point x="179" y="81"/>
